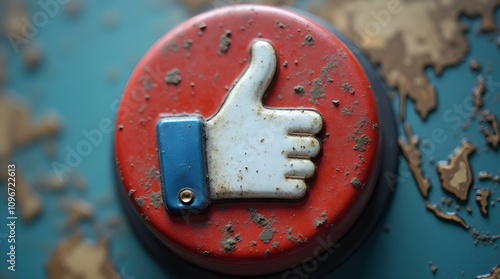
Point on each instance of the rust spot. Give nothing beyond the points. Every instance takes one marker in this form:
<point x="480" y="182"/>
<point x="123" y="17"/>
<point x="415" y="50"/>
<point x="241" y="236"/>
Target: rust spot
<point x="229" y="228"/>
<point x="173" y="77"/>
<point x="157" y="200"/>
<point x="348" y="88"/>
<point x="299" y="90"/>
<point x="484" y="238"/>
<point x="321" y="221"/>
<point x="361" y="143"/>
<point x="414" y="159"/>
<point x="456" y="176"/>
<point x="478" y="93"/>
<point x="356" y="183"/>
<point x="483" y="175"/>
<point x="494" y="274"/>
<point x="140" y="201"/>
<point x="188" y="44"/>
<point x="309" y="40"/>
<point x="482" y="196"/>
<point x="79" y="210"/>
<point x="448" y="216"/>
<point x="434" y="268"/>
<point x="229" y="243"/>
<point x="317" y="91"/>
<point x="225" y="41"/>
<point x="291" y="238"/>
<point x="475" y="65"/>
<point x="66" y="261"/>
<point x="267" y="234"/>
<point x="348" y="111"/>
<point x="492" y="137"/>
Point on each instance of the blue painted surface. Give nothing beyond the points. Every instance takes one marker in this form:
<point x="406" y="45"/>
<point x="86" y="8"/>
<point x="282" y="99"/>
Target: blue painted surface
<point x="182" y="160"/>
<point x="80" y="52"/>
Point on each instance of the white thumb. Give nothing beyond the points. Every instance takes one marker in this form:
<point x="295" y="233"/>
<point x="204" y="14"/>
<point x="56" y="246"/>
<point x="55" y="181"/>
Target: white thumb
<point x="253" y="84"/>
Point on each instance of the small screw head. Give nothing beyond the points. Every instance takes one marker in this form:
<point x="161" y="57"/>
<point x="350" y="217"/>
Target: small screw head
<point x="186" y="196"/>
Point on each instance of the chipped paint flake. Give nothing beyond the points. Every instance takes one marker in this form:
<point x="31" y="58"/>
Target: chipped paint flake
<point x="456" y="176"/>
<point x="448" y="216"/>
<point x="414" y="159"/>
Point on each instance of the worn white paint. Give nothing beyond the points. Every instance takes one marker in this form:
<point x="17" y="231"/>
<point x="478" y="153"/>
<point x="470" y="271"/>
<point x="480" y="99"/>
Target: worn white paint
<point x="258" y="152"/>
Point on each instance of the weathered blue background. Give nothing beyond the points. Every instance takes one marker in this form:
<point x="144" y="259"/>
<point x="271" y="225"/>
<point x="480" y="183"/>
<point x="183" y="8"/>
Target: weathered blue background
<point x="79" y="53"/>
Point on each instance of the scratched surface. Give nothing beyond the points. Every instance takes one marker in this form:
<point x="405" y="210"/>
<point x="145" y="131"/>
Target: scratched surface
<point x="86" y="61"/>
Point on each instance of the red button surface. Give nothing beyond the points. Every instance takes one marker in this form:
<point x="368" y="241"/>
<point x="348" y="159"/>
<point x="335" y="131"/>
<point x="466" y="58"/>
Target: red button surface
<point x="308" y="56"/>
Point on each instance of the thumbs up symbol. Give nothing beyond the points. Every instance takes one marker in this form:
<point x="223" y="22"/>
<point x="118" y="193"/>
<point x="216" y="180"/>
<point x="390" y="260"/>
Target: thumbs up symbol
<point x="245" y="151"/>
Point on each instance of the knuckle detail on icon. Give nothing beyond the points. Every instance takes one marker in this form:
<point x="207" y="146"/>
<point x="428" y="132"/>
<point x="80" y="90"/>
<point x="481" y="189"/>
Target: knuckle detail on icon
<point x="308" y="147"/>
<point x="305" y="121"/>
<point x="300" y="169"/>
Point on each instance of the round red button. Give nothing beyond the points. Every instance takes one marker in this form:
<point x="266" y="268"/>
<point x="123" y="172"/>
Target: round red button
<point x="190" y="72"/>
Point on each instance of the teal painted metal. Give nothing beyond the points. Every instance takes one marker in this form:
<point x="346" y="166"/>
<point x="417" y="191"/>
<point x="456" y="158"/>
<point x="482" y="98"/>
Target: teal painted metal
<point x="79" y="53"/>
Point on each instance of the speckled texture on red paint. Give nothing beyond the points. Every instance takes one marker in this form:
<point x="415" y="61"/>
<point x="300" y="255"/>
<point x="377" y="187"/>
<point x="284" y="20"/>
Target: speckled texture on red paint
<point x="323" y="68"/>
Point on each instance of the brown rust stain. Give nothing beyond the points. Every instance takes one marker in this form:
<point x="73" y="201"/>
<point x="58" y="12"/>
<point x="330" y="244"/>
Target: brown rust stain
<point x="18" y="129"/>
<point x="494" y="274"/>
<point x="29" y="202"/>
<point x="492" y="136"/>
<point x="76" y="258"/>
<point x="404" y="49"/>
<point x="448" y="216"/>
<point x="414" y="159"/>
<point x="456" y="176"/>
<point x="434" y="268"/>
<point x="3" y="70"/>
<point x="79" y="210"/>
<point x="483" y="175"/>
<point x="475" y="65"/>
<point x="484" y="238"/>
<point x="32" y="57"/>
<point x="51" y="183"/>
<point x="482" y="196"/>
<point x="13" y="23"/>
<point x="478" y="92"/>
